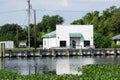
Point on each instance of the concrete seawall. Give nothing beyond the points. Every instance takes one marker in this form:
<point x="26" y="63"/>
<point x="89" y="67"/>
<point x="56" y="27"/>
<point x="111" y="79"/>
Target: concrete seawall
<point x="61" y="52"/>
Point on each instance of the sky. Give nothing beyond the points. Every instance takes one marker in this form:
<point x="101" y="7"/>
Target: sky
<point x="15" y="11"/>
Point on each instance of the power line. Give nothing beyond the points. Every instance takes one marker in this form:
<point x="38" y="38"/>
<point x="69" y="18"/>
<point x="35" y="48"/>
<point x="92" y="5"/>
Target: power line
<point x="12" y="11"/>
<point x="62" y="10"/>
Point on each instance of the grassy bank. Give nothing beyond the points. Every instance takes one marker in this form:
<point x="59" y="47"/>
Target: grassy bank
<point x="20" y="49"/>
<point x="90" y="72"/>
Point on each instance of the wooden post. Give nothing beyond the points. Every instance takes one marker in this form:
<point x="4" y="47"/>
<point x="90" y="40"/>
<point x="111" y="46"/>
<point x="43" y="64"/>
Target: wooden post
<point x="53" y="53"/>
<point x="26" y="53"/>
<point x="103" y="52"/>
<point x="0" y="50"/>
<point x="115" y="52"/>
<point x="67" y="52"/>
<point x="3" y="46"/>
<point x="80" y="52"/>
<point x="10" y="53"/>
<point x="92" y="54"/>
<point x="40" y="53"/>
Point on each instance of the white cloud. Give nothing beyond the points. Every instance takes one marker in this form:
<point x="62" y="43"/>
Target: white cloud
<point x="65" y="3"/>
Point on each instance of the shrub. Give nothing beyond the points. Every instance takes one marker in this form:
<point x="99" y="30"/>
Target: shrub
<point x="115" y="46"/>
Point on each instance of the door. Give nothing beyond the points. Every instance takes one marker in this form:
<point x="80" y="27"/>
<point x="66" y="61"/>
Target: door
<point x="73" y="43"/>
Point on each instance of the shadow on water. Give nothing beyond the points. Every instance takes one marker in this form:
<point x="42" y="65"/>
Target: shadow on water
<point x="54" y="65"/>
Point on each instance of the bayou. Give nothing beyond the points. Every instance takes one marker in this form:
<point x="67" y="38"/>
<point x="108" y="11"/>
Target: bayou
<point x="89" y="72"/>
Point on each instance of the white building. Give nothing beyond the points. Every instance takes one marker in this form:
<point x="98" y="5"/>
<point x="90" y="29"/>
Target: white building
<point x="69" y="36"/>
<point x="8" y="44"/>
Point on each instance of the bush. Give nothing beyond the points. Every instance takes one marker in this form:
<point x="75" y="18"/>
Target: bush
<point x="102" y="72"/>
<point x="115" y="46"/>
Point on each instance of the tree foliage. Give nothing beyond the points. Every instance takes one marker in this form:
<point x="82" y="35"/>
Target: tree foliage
<point x="47" y="25"/>
<point x="105" y="25"/>
<point x="9" y="32"/>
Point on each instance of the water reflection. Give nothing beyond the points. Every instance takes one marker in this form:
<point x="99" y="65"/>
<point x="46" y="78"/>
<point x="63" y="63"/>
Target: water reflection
<point x="70" y="65"/>
<point x="55" y="65"/>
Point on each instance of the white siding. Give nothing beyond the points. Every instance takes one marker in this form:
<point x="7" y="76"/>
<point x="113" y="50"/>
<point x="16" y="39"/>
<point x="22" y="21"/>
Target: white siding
<point x="86" y="30"/>
<point x="8" y="44"/>
<point x="62" y="34"/>
<point x="49" y="43"/>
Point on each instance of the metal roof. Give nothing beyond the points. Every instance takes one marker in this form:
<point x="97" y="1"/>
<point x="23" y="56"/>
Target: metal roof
<point x="50" y="35"/>
<point x="116" y="37"/>
<point x="75" y="34"/>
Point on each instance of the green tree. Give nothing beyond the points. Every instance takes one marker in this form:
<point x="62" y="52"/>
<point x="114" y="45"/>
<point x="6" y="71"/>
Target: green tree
<point x="9" y="32"/>
<point x="105" y="25"/>
<point x="80" y="21"/>
<point x="114" y="23"/>
<point x="47" y="25"/>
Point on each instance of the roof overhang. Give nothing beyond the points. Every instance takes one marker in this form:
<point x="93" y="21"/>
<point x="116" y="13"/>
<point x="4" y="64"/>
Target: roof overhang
<point x="50" y="35"/>
<point x="74" y="35"/>
<point x="117" y="37"/>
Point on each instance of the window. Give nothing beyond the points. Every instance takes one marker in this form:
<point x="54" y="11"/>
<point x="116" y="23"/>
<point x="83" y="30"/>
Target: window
<point x="86" y="43"/>
<point x="62" y="43"/>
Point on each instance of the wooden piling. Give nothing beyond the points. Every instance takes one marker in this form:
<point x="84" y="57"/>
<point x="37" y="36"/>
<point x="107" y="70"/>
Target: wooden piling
<point x="67" y="52"/>
<point x="91" y="52"/>
<point x="2" y="50"/>
<point x="103" y="52"/>
<point x="39" y="51"/>
<point x="80" y="52"/>
<point x="53" y="53"/>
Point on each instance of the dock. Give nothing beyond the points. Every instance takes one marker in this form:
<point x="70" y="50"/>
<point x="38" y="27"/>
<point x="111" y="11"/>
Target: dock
<point x="59" y="52"/>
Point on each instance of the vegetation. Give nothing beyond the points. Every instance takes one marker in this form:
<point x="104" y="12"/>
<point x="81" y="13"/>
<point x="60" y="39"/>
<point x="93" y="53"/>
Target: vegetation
<point x="101" y="72"/>
<point x="16" y="33"/>
<point x="5" y="75"/>
<point x="115" y="46"/>
<point x="89" y="72"/>
<point x="106" y="25"/>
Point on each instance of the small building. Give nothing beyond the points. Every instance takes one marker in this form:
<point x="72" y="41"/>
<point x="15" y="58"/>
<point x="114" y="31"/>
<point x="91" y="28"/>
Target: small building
<point x="8" y="44"/>
<point x="69" y="36"/>
<point x="116" y="39"/>
<point x="22" y="43"/>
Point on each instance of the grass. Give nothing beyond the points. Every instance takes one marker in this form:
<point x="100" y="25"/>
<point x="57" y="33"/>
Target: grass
<point x="20" y="49"/>
<point x="89" y="72"/>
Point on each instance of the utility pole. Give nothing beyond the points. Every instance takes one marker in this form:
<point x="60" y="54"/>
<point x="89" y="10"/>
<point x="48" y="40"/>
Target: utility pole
<point x="17" y="37"/>
<point x="35" y="29"/>
<point x="29" y="24"/>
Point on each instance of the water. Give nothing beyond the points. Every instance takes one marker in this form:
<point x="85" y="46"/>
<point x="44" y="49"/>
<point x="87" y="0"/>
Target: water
<point x="55" y="65"/>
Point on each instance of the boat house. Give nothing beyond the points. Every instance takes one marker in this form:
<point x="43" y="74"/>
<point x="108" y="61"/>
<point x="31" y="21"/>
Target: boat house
<point x="69" y="36"/>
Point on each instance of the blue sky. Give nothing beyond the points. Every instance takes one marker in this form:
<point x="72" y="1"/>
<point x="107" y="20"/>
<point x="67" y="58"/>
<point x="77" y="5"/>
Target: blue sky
<point x="14" y="11"/>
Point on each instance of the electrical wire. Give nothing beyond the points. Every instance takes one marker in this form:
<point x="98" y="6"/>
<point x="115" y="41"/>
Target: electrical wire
<point x="62" y="10"/>
<point x="12" y="11"/>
